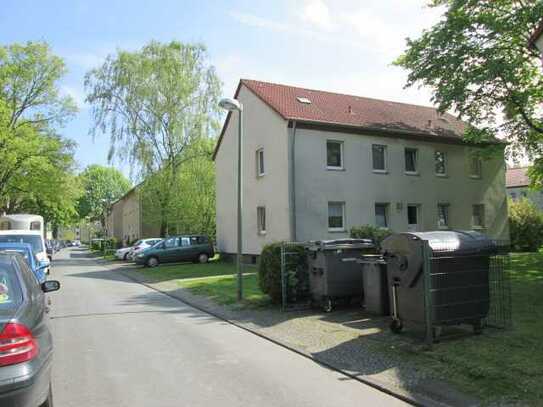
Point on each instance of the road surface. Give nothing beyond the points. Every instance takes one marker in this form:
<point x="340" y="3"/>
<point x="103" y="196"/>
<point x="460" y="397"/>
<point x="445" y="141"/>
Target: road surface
<point x="119" y="343"/>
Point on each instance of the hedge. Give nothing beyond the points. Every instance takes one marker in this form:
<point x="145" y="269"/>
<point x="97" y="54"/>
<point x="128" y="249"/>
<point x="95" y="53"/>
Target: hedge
<point x="526" y="226"/>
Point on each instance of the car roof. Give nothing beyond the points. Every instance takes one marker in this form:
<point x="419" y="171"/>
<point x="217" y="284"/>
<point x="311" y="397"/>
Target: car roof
<point x="20" y="232"/>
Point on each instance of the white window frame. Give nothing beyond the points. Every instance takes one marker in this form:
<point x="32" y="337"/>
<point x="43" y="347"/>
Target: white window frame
<point x="260" y="163"/>
<point x="387" y="220"/>
<point x="341" y="167"/>
<point x="447" y="215"/>
<point x="385" y="159"/>
<point x="336" y="229"/>
<point x="482" y="216"/>
<point x="416" y="151"/>
<point x="261" y="215"/>
<point x="473" y="175"/>
<point x="445" y="163"/>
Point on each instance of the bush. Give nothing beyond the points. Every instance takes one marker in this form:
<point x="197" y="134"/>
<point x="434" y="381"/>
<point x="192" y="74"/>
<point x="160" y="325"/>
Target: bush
<point x="526" y="226"/>
<point x="374" y="233"/>
<point x="269" y="273"/>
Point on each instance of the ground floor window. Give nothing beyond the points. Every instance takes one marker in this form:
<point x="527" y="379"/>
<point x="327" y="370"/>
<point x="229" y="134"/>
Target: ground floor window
<point x="261" y="219"/>
<point x="478" y="216"/>
<point x="381" y="215"/>
<point x="443" y="215"/>
<point x="336" y="216"/>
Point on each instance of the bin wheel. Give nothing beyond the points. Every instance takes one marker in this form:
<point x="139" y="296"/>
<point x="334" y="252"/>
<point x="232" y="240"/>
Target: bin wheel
<point x="396" y="326"/>
<point x="327" y="305"/>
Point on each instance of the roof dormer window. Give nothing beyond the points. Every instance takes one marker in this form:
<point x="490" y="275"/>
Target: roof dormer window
<point x="303" y="100"/>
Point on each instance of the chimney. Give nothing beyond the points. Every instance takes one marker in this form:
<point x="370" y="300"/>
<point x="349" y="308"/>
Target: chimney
<point x="350" y="110"/>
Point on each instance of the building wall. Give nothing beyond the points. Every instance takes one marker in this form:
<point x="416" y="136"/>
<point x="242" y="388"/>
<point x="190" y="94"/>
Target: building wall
<point x="360" y="188"/>
<point x="117" y="216"/>
<point x="131" y="216"/>
<point x="263" y="128"/>
<point x="518" y="192"/>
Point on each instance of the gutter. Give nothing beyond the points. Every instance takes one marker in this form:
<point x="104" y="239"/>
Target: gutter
<point x="293" y="183"/>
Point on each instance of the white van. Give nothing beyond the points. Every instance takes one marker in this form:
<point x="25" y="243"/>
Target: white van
<point x="32" y="237"/>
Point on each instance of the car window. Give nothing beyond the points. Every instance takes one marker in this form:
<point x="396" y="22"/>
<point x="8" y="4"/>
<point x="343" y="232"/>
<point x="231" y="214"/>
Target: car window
<point x="185" y="242"/>
<point x="34" y="240"/>
<point x="202" y="239"/>
<point x="10" y="290"/>
<point x="138" y="242"/>
<point x="22" y="252"/>
<point x="171" y="242"/>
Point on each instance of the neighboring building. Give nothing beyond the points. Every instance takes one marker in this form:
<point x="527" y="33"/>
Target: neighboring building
<point x="125" y="220"/>
<point x="536" y="40"/>
<point x="318" y="163"/>
<point x="518" y="182"/>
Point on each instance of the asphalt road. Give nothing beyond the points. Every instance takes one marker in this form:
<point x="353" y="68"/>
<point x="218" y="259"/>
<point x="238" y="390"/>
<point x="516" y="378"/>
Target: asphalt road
<point x="118" y="343"/>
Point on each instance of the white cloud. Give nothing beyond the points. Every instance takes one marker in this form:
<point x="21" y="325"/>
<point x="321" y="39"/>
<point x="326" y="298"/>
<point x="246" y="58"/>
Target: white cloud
<point x="317" y="13"/>
<point x="76" y="93"/>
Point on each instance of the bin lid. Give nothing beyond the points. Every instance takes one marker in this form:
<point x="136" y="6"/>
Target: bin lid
<point x="341" y="244"/>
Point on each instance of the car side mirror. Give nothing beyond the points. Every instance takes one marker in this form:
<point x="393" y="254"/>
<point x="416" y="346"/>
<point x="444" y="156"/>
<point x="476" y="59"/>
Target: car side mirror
<point x="50" y="285"/>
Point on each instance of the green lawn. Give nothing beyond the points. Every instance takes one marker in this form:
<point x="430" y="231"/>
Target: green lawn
<point x="499" y="364"/>
<point x="223" y="290"/>
<point x="187" y="270"/>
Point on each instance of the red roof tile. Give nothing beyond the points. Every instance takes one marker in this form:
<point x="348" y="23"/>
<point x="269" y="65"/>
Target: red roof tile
<point x="338" y="109"/>
<point x="516" y="177"/>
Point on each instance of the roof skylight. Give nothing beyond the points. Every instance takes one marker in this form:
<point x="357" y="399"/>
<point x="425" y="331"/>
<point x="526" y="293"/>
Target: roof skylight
<point x="303" y="100"/>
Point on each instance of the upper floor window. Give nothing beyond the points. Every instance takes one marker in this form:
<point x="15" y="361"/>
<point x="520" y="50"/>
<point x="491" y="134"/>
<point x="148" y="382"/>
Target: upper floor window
<point x="379" y="159"/>
<point x="260" y="169"/>
<point x="336" y="216"/>
<point x="261" y="219"/>
<point x="410" y="160"/>
<point x="475" y="167"/>
<point x="478" y="216"/>
<point x="443" y="216"/>
<point x="334" y="154"/>
<point x="440" y="163"/>
<point x="381" y="215"/>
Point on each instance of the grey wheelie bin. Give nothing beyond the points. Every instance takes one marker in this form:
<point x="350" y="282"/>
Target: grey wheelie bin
<point x="331" y="279"/>
<point x="374" y="273"/>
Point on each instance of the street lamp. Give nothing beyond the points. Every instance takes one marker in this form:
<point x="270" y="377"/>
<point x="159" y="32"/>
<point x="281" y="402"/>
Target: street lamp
<point x="232" y="105"/>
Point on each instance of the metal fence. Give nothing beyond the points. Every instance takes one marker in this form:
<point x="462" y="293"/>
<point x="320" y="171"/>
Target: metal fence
<point x="466" y="287"/>
<point x="294" y="276"/>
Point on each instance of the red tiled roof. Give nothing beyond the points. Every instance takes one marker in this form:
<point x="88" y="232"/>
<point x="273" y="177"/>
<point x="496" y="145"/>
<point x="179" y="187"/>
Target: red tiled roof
<point x="516" y="177"/>
<point x="347" y="110"/>
<point x="354" y="112"/>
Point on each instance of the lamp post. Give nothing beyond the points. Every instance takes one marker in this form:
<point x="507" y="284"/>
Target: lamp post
<point x="235" y="105"/>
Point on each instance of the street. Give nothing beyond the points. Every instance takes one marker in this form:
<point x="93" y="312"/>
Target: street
<point x="119" y="343"/>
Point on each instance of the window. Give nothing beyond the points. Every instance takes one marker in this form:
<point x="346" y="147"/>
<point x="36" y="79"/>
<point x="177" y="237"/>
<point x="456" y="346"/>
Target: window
<point x="185" y="242"/>
<point x="410" y="160"/>
<point x="513" y="196"/>
<point x="440" y="163"/>
<point x="261" y="219"/>
<point x="478" y="216"/>
<point x="443" y="216"/>
<point x="170" y="243"/>
<point x="336" y="215"/>
<point x="523" y="194"/>
<point x="381" y="215"/>
<point x="334" y="154"/>
<point x="36" y="225"/>
<point x="378" y="153"/>
<point x="475" y="169"/>
<point x="260" y="162"/>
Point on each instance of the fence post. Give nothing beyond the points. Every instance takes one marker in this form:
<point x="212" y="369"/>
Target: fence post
<point x="427" y="271"/>
<point x="283" y="278"/>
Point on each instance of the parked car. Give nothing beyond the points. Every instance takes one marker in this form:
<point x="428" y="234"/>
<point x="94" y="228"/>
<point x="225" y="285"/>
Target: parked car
<point x="26" y="347"/>
<point x="123" y="253"/>
<point x="32" y="237"/>
<point x="197" y="248"/>
<point x="49" y="249"/>
<point x="25" y="250"/>
<point x="143" y="244"/>
<point x="77" y="243"/>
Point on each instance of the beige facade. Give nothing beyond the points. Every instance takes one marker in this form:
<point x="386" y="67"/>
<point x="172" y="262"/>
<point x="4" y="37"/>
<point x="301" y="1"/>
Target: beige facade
<point x="296" y="187"/>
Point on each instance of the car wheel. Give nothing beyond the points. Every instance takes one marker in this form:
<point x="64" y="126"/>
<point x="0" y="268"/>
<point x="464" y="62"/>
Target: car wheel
<point x="49" y="401"/>
<point x="203" y="258"/>
<point x="152" y="262"/>
<point x="125" y="257"/>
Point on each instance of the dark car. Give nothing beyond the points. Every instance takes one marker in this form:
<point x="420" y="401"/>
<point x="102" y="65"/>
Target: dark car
<point x="196" y="248"/>
<point x="26" y="346"/>
<point x="25" y="250"/>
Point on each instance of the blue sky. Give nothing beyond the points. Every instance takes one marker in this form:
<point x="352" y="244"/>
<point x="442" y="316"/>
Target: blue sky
<point x="337" y="45"/>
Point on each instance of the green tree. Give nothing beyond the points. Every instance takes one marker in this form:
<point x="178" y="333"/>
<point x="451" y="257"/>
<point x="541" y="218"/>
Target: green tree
<point x="101" y="187"/>
<point x="36" y="164"/>
<point x="478" y="63"/>
<point x="526" y="225"/>
<point x="154" y="103"/>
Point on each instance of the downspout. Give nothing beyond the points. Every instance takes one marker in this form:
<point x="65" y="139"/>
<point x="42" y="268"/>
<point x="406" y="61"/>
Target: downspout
<point x="293" y="181"/>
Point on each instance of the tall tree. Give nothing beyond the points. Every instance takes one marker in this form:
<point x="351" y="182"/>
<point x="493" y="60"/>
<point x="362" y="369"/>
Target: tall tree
<point x="154" y="103"/>
<point x="101" y="187"/>
<point x="35" y="162"/>
<point x="478" y="62"/>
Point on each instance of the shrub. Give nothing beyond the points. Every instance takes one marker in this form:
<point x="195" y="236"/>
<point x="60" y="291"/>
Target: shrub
<point x="374" y="233"/>
<point x="269" y="273"/>
<point x="526" y="226"/>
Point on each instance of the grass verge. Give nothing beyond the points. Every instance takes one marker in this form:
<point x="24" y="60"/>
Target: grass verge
<point x="183" y="271"/>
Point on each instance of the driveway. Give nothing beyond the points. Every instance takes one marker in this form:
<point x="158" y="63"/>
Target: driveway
<point x="119" y="343"/>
